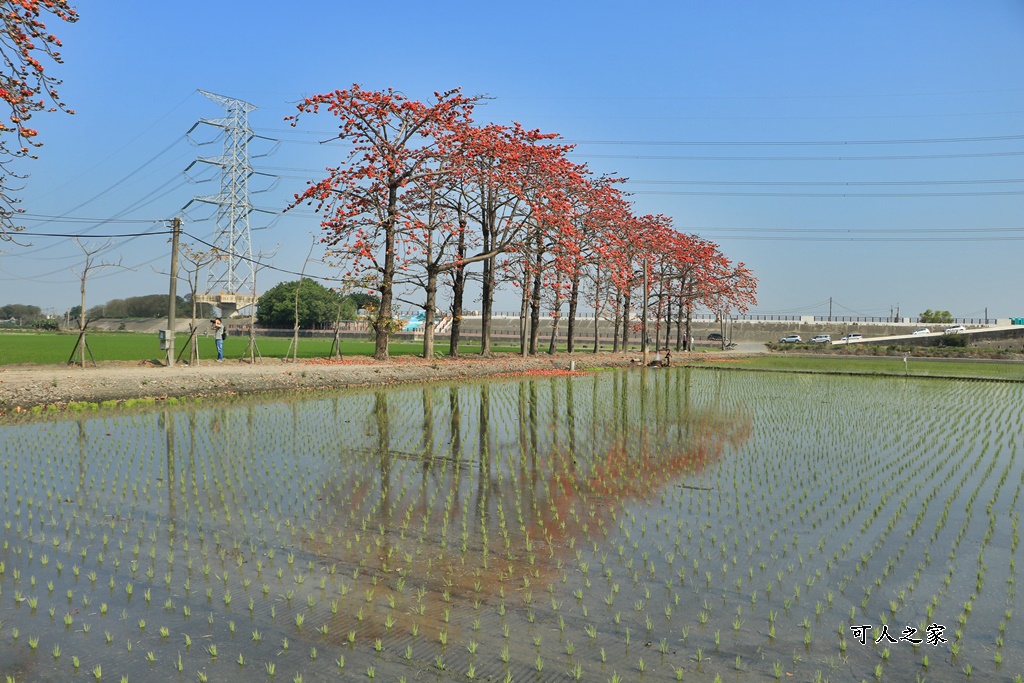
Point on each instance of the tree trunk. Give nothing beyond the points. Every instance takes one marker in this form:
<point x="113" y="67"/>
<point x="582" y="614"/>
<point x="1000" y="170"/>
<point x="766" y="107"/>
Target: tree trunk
<point x="535" y="309"/>
<point x="458" y="291"/>
<point x="428" y="322"/>
<point x="668" y="323"/>
<point x="689" y="332"/>
<point x="574" y="299"/>
<point x="597" y="308"/>
<point x="81" y="321"/>
<point x="487" y="229"/>
<point x="554" y="334"/>
<point x="679" y="326"/>
<point x="295" y="324"/>
<point x="556" y="316"/>
<point x="487" y="306"/>
<point x="618" y="321"/>
<point x="625" y="322"/>
<point x="382" y="327"/>
<point x="193" y="352"/>
<point x="524" y="312"/>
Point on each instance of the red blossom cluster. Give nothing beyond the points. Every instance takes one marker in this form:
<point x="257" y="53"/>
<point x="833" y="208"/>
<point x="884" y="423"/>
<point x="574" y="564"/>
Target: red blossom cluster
<point x="24" y="84"/>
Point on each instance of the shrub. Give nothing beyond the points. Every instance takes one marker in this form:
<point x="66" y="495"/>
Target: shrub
<point x="954" y="340"/>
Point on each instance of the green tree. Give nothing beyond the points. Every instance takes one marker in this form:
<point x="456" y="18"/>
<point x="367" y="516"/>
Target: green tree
<point x="318" y="305"/>
<point x="203" y="309"/>
<point x="23" y="312"/>
<point x="931" y="316"/>
<point x="362" y="300"/>
<point x="145" y="306"/>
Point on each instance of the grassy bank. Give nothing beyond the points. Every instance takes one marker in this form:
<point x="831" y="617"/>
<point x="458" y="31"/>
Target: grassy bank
<point x="914" y="367"/>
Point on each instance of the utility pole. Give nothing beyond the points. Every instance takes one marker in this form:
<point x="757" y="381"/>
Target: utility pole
<point x="172" y="301"/>
<point x="830" y="309"/>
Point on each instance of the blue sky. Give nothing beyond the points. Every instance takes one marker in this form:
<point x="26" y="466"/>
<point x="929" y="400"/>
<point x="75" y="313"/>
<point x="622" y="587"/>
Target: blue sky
<point x="718" y="113"/>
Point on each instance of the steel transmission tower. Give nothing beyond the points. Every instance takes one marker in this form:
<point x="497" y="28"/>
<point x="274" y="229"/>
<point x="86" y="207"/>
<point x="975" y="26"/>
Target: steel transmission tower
<point x="230" y="284"/>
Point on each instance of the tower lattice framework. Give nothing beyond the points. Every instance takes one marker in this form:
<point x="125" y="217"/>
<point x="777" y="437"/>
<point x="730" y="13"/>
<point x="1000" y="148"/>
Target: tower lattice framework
<point x="230" y="282"/>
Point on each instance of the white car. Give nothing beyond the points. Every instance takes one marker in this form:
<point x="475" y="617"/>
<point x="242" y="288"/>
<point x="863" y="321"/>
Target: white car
<point x="791" y="339"/>
<point x="853" y="336"/>
<point x="922" y="330"/>
<point x="821" y="339"/>
<point x="956" y="329"/>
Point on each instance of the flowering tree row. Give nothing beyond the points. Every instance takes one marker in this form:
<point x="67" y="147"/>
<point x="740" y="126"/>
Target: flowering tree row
<point x="426" y="197"/>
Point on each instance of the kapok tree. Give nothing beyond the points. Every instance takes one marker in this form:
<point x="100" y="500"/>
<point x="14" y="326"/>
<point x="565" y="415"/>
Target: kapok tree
<point x="634" y="251"/>
<point x="732" y="288"/>
<point x="363" y="200"/>
<point x="436" y="245"/>
<point x="620" y="251"/>
<point x="507" y="181"/>
<point x="545" y="257"/>
<point x="608" y="212"/>
<point x="597" y="206"/>
<point x="708" y="279"/>
<point x="25" y="86"/>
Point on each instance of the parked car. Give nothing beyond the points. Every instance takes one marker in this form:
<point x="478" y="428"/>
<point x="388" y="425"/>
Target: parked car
<point x="791" y="339"/>
<point x="714" y="336"/>
<point x="922" y="330"/>
<point x="853" y="336"/>
<point x="821" y="339"/>
<point x="956" y="329"/>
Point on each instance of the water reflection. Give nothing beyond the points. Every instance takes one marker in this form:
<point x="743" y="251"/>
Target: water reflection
<point x="500" y="481"/>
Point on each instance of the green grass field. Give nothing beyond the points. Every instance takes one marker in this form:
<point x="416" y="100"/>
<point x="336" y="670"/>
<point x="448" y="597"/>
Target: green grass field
<point x="915" y="367"/>
<point x="52" y="347"/>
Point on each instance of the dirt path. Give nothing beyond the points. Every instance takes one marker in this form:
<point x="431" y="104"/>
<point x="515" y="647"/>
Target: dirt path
<point x="25" y="386"/>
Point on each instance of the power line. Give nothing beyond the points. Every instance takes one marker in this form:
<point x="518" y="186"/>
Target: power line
<point x="894" y="157"/>
<point x="127" y="177"/>
<point x="853" y="238"/>
<point x="832" y="195"/>
<point x="856" y="230"/>
<point x="93" y="236"/>
<point x="82" y="219"/>
<point x="261" y="265"/>
<point x="827" y="183"/>
<point x="335" y="136"/>
<point x="793" y="143"/>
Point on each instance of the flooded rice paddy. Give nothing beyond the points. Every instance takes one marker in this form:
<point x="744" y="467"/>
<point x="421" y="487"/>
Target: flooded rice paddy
<point x="622" y="526"/>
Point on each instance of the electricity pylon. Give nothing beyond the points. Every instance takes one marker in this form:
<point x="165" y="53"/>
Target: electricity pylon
<point x="230" y="284"/>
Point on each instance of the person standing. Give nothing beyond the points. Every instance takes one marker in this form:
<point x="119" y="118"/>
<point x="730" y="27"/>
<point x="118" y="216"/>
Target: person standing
<point x="218" y="337"/>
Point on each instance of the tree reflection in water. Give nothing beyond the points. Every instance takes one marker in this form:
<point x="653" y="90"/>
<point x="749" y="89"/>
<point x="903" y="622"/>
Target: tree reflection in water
<point x="508" y="478"/>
